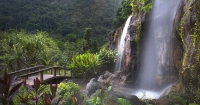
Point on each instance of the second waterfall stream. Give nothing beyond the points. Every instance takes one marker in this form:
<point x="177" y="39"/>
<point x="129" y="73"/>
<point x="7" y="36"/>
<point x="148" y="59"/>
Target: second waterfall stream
<point x="121" y="46"/>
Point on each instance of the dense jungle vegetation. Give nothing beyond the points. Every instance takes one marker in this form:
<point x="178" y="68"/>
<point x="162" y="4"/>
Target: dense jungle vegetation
<point x="62" y="19"/>
<point x="51" y="32"/>
<point x="64" y="33"/>
<point x="71" y="33"/>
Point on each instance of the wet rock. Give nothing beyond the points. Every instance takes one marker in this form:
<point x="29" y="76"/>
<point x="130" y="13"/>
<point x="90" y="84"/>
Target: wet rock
<point x="103" y="79"/>
<point x="92" y="86"/>
<point x="114" y="38"/>
<point x="100" y="79"/>
<point x="112" y="98"/>
<point x="106" y="74"/>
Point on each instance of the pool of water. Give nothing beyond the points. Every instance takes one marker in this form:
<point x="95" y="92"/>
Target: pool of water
<point x="142" y="93"/>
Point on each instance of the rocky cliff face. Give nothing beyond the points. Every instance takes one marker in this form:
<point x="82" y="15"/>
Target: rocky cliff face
<point x="181" y="62"/>
<point x="187" y="26"/>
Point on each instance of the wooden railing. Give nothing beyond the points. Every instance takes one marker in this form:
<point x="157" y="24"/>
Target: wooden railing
<point x="22" y="71"/>
<point x="25" y="73"/>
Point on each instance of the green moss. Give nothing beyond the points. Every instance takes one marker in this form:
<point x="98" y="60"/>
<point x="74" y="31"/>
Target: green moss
<point x="197" y="30"/>
<point x="137" y="39"/>
<point x="181" y="31"/>
<point x="115" y="36"/>
<point x="193" y="43"/>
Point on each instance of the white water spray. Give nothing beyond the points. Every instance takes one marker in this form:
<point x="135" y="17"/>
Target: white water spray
<point x="156" y="48"/>
<point x="121" y="45"/>
<point x="157" y="42"/>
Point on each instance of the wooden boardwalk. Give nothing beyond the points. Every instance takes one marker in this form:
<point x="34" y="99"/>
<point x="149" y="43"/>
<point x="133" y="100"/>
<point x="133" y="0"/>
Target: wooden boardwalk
<point x="46" y="77"/>
<point x="29" y="74"/>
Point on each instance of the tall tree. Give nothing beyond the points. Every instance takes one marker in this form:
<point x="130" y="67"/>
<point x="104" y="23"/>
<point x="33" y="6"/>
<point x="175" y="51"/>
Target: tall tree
<point x="87" y="37"/>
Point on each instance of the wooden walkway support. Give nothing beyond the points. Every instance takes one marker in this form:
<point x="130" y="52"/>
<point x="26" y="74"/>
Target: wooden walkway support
<point x="30" y="73"/>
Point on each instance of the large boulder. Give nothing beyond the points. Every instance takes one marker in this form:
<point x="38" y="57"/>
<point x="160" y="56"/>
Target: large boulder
<point x="114" y="94"/>
<point x="92" y="86"/>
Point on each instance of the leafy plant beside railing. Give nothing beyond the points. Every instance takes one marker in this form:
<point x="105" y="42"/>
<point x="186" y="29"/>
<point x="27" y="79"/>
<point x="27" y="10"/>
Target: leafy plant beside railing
<point x="39" y="95"/>
<point x="84" y="65"/>
<point x="8" y="89"/>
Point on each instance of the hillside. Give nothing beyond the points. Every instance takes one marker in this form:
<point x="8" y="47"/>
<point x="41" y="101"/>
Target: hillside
<point x="60" y="17"/>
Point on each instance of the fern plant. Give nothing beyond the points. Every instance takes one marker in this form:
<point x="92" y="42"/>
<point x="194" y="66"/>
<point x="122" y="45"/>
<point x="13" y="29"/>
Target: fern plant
<point x="123" y="101"/>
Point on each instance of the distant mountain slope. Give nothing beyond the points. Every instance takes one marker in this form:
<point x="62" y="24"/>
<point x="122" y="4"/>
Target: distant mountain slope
<point x="61" y="17"/>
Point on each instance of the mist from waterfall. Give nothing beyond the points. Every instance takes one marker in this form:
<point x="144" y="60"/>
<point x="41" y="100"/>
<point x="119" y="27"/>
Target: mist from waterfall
<point x="121" y="46"/>
<point x="158" y="35"/>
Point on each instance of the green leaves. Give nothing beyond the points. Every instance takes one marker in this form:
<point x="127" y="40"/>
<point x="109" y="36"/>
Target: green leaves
<point x="22" y="49"/>
<point x="180" y="99"/>
<point x="8" y="90"/>
<point x="96" y="100"/>
<point x="123" y="13"/>
<point x="68" y="91"/>
<point x="107" y="56"/>
<point x="144" y="5"/>
<point x="183" y="101"/>
<point x="123" y="101"/>
<point x="84" y="64"/>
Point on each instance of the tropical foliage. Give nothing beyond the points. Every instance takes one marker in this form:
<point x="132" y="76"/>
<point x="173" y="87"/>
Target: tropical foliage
<point x="8" y="89"/>
<point x="98" y="99"/>
<point x="20" y="49"/>
<point x="69" y="91"/>
<point x="54" y="94"/>
<point x="183" y="101"/>
<point x="145" y="5"/>
<point x="123" y="13"/>
<point x="123" y="101"/>
<point x="107" y="56"/>
<point x="107" y="59"/>
<point x="62" y="19"/>
<point x="85" y="65"/>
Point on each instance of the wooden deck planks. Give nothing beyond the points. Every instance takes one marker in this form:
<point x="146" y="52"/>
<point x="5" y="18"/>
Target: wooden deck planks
<point x="30" y="79"/>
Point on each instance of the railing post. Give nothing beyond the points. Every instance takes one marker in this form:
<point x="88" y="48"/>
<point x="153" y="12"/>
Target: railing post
<point x="41" y="76"/>
<point x="51" y="71"/>
<point x="26" y="77"/>
<point x="24" y="81"/>
<point x="59" y="72"/>
<point x="64" y="72"/>
<point x="54" y="72"/>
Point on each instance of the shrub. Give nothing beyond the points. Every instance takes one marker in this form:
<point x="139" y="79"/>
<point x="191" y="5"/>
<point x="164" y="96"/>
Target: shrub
<point x="39" y="95"/>
<point x="21" y="49"/>
<point x="67" y="90"/>
<point x="84" y="65"/>
<point x="107" y="56"/>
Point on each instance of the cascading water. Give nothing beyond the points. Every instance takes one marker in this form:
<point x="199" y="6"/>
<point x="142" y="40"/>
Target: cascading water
<point x="156" y="51"/>
<point x="156" y="48"/>
<point x="121" y="46"/>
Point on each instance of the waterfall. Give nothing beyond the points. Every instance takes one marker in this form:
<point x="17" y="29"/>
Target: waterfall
<point x="156" y="47"/>
<point x="121" y="46"/>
